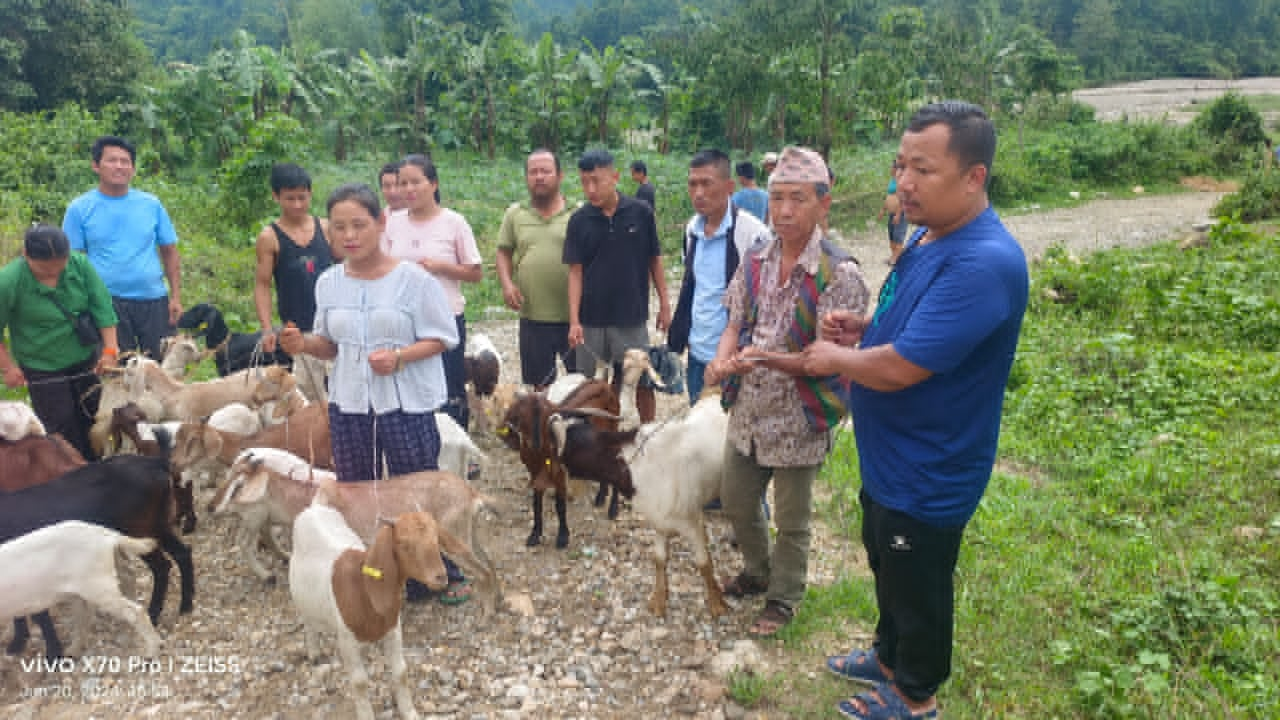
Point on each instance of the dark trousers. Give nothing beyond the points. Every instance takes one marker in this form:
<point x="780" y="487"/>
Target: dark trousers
<point x="540" y="344"/>
<point x="914" y="566"/>
<point x="406" y="442"/>
<point x="455" y="377"/>
<point x="142" y="324"/>
<point x="66" y="401"/>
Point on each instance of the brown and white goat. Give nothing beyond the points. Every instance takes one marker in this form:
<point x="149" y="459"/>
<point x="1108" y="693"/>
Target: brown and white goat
<point x="18" y="420"/>
<point x="338" y="586"/>
<point x="305" y="433"/>
<point x="525" y="429"/>
<point x="124" y="424"/>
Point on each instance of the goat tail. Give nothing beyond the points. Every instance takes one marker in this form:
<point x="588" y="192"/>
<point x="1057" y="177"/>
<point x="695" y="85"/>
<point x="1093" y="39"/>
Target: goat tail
<point x="136" y="547"/>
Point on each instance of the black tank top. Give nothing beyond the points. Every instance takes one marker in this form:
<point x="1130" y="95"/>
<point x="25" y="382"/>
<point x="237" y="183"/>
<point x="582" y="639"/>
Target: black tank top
<point x="295" y="275"/>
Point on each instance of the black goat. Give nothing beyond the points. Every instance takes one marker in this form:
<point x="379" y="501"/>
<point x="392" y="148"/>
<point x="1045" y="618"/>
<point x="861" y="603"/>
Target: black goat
<point x="127" y="493"/>
<point x="232" y="352"/>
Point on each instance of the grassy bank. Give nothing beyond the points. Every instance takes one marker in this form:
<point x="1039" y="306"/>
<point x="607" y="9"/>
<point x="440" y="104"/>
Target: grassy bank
<point x="1125" y="562"/>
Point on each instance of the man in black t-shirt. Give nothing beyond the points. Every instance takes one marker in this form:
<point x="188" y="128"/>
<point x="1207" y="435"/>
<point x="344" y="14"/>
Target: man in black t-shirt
<point x="644" y="189"/>
<point x="612" y="250"/>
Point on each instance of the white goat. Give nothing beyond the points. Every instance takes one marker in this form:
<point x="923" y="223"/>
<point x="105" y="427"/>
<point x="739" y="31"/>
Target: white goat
<point x="18" y="420"/>
<point x="274" y="412"/>
<point x="266" y="486"/>
<point x="176" y="353"/>
<point x="457" y="449"/>
<point x="72" y="559"/>
<point x="340" y="587"/>
<point x="675" y="466"/>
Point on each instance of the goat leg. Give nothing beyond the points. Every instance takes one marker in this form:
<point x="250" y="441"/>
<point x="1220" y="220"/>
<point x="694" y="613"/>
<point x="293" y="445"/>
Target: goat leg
<point x="601" y="494"/>
<point x="181" y="555"/>
<point x="658" y="600"/>
<point x="393" y="651"/>
<point x="535" y="536"/>
<point x="613" y="503"/>
<point x="159" y="565"/>
<point x="21" y="634"/>
<point x="702" y="558"/>
<point x="562" y="512"/>
<point x="52" y="645"/>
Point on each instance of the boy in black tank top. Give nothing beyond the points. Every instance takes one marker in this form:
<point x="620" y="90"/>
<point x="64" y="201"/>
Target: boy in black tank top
<point x="291" y="252"/>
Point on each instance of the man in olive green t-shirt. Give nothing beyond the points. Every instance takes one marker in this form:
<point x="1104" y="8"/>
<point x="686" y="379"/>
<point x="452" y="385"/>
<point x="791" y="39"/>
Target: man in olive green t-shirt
<point x="535" y="280"/>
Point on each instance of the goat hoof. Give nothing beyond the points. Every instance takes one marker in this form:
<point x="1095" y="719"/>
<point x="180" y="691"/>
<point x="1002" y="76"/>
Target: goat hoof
<point x="184" y="608"/>
<point x="188" y="526"/>
<point x="270" y="580"/>
<point x="16" y="646"/>
<point x="562" y="541"/>
<point x="533" y="541"/>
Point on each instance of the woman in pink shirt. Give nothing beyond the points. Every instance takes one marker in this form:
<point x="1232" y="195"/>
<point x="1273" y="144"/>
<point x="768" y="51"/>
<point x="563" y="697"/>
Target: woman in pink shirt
<point x="441" y="241"/>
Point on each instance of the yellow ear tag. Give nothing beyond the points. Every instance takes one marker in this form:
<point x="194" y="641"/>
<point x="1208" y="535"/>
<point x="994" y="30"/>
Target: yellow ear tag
<point x="501" y="431"/>
<point x="547" y="462"/>
<point x="372" y="572"/>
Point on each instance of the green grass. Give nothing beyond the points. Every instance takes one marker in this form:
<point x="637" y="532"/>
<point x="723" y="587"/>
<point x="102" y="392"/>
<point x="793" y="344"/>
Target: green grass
<point x="1125" y="561"/>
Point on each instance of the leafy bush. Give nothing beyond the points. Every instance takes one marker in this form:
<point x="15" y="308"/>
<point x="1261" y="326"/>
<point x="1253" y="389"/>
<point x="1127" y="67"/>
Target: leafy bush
<point x="44" y="161"/>
<point x="1257" y="199"/>
<point x="1072" y="156"/>
<point x="244" y="187"/>
<point x="1233" y="127"/>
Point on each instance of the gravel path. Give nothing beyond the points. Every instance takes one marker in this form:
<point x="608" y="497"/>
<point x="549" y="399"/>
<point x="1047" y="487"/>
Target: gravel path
<point x="576" y="640"/>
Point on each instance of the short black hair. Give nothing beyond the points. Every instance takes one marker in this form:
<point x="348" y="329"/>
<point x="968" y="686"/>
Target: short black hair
<point x="391" y="168"/>
<point x="973" y="135"/>
<point x="288" y="176"/>
<point x="714" y="157"/>
<point x="46" y="242"/>
<point x="107" y="141"/>
<point x="358" y="193"/>
<point x="543" y="151"/>
<point x="640" y="167"/>
<point x="746" y="170"/>
<point x="593" y="159"/>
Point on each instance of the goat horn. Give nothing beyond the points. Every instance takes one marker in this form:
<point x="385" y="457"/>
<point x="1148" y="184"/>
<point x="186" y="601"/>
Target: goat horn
<point x="593" y="412"/>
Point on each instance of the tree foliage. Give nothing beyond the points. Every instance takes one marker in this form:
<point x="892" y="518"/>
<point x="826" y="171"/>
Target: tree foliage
<point x="58" y="51"/>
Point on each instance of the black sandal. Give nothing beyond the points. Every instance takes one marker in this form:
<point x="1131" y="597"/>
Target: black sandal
<point x="743" y="586"/>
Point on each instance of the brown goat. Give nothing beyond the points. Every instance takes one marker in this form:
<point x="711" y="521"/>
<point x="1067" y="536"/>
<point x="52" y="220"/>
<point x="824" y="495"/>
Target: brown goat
<point x="304" y="433"/>
<point x="124" y="424"/>
<point x="35" y="460"/>
<point x="525" y="429"/>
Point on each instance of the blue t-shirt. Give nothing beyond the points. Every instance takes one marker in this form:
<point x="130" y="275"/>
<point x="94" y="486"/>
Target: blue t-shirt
<point x="953" y="307"/>
<point x="120" y="235"/>
<point x="753" y="200"/>
<point x="707" y="312"/>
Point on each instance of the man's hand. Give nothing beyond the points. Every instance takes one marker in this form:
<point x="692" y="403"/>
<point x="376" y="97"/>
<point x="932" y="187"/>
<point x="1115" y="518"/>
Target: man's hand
<point x="823" y="358"/>
<point x="14" y="378"/>
<point x="575" y="335"/>
<point x="268" y="341"/>
<point x="842" y="327"/>
<point x="664" y="317"/>
<point x="291" y="339"/>
<point x="175" y="310"/>
<point x="512" y="296"/>
<point x="106" y="362"/>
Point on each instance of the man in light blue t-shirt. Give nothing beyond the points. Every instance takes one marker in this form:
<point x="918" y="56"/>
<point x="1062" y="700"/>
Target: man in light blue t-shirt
<point x="130" y="241"/>
<point x="929" y="369"/>
<point x="751" y="197"/>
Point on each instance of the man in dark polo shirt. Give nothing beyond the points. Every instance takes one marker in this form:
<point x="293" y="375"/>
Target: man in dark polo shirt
<point x="612" y="251"/>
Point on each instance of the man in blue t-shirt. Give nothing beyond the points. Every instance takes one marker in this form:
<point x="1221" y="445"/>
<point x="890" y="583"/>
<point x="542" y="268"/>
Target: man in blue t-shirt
<point x="751" y="197"/>
<point x="130" y="241"/>
<point x="929" y="369"/>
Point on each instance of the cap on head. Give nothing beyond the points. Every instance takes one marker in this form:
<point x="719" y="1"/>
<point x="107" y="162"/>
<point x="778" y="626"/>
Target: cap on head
<point x="800" y="165"/>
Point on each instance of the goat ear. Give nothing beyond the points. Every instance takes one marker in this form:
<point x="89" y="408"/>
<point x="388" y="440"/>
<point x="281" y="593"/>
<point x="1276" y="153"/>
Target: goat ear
<point x="383" y="584"/>
<point x="455" y="549"/>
